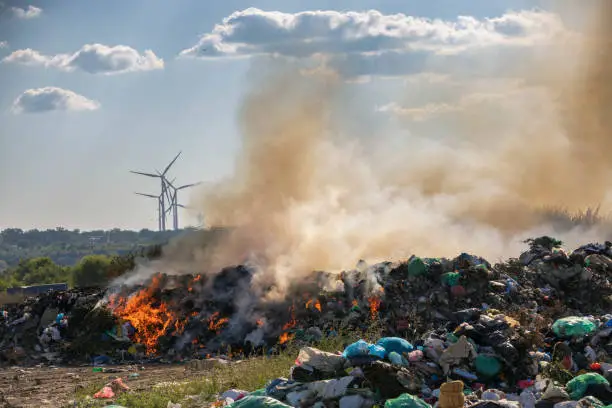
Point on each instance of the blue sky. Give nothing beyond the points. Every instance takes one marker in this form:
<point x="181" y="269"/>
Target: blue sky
<point x="67" y="165"/>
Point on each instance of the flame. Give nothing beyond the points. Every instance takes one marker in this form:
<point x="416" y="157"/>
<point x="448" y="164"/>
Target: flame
<point x="151" y="319"/>
<point x="260" y="322"/>
<point x="215" y="324"/>
<point x="374" y="306"/>
<point x="197" y="278"/>
<point x="313" y="303"/>
<point x="285" y="337"/>
<point x="355" y="303"/>
<point x="292" y="323"/>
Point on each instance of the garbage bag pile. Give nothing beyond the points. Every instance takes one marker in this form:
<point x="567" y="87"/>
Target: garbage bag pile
<point x="447" y="372"/>
<point x="509" y="310"/>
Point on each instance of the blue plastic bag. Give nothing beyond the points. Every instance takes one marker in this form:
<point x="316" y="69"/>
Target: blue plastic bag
<point x="361" y="348"/>
<point x="395" y="344"/>
<point x="377" y="351"/>
<point x="358" y="349"/>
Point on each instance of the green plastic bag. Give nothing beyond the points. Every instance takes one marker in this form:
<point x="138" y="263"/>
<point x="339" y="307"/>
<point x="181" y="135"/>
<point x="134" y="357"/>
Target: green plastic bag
<point x="578" y="386"/>
<point x="406" y="401"/>
<point x="416" y="267"/>
<point x="573" y="326"/>
<point x="451" y="278"/>
<point x="487" y="366"/>
<point x="258" y="393"/>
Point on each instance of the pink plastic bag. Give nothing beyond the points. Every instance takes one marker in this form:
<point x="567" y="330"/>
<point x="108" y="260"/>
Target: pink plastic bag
<point x="106" y="392"/>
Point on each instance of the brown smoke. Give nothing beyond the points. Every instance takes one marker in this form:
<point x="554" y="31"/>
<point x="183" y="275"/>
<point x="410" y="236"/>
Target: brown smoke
<point x="306" y="196"/>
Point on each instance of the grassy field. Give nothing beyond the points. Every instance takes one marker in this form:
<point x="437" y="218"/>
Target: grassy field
<point x="248" y="375"/>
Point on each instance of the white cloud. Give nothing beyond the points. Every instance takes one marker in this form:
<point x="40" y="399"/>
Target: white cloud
<point x="3" y="44"/>
<point x="256" y="32"/>
<point x="30" y="12"/>
<point x="91" y="58"/>
<point x="52" y="99"/>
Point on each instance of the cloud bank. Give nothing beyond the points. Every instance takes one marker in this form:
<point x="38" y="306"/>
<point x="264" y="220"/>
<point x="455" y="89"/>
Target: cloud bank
<point x="52" y="99"/>
<point x="373" y="43"/>
<point x="91" y="58"/>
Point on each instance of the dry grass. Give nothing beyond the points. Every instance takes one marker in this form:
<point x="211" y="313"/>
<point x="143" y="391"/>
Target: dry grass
<point x="564" y="219"/>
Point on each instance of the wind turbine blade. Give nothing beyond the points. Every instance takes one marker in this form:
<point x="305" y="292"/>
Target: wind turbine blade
<point x="145" y="174"/>
<point x="171" y="163"/>
<point x="147" y="195"/>
<point x="189" y="185"/>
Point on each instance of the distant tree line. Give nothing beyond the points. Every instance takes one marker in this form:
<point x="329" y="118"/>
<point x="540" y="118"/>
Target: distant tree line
<point x="66" y="248"/>
<point x="91" y="270"/>
<point x="93" y="266"/>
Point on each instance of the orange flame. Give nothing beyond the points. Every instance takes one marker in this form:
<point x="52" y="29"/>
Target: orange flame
<point x="194" y="280"/>
<point x="216" y="324"/>
<point x="374" y="306"/>
<point x="313" y="303"/>
<point x="151" y="320"/>
<point x="292" y="323"/>
<point x="285" y="337"/>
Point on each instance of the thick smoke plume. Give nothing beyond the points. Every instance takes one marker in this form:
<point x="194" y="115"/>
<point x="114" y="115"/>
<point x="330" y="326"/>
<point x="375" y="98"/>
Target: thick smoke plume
<point x="470" y="171"/>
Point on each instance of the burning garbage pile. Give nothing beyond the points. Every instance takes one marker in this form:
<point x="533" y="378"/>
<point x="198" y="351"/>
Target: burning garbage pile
<point x="508" y="308"/>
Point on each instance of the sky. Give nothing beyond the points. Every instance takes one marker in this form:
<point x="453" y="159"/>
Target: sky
<point x="92" y="90"/>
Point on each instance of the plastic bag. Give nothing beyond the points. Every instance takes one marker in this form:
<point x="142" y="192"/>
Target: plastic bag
<point x="406" y="401"/>
<point x="357" y="349"/>
<point x="416" y="267"/>
<point x="573" y="326"/>
<point x="361" y="348"/>
<point x="578" y="386"/>
<point x="320" y="360"/>
<point x="451" y="278"/>
<point x="257" y="402"/>
<point x="487" y="366"/>
<point x="377" y="351"/>
<point x="395" y="344"/>
<point x="105" y="393"/>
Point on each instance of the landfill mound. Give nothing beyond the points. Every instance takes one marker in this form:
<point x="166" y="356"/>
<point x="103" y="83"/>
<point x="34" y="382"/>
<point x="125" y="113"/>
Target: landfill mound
<point x="508" y="309"/>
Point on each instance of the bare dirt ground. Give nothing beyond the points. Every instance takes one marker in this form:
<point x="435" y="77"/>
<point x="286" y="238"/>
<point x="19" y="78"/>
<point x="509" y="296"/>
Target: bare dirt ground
<point x="57" y="387"/>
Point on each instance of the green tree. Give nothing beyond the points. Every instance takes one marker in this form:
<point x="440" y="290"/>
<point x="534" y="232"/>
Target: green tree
<point x="38" y="271"/>
<point x="92" y="270"/>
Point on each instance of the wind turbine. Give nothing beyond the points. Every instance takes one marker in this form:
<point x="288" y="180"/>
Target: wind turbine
<point x="174" y="199"/>
<point x="164" y="190"/>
